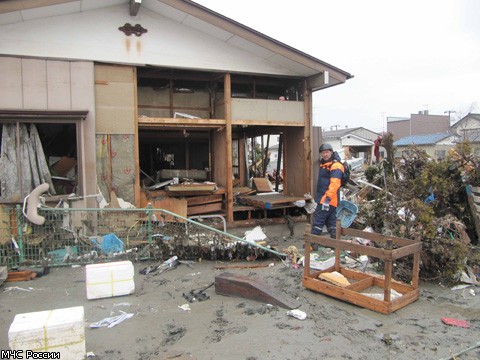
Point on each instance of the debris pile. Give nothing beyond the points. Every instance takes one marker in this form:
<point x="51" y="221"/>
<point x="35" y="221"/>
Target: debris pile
<point x="420" y="198"/>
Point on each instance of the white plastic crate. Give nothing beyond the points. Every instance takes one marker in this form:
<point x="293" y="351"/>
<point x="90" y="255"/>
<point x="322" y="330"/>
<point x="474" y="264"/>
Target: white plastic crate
<point x="59" y="330"/>
<point x="109" y="279"/>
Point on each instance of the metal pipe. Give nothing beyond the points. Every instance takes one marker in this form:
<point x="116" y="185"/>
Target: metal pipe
<point x="211" y="216"/>
<point x="222" y="232"/>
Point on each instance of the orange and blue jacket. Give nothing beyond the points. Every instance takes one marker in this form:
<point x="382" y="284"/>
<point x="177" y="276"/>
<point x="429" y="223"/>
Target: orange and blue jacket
<point x="330" y="180"/>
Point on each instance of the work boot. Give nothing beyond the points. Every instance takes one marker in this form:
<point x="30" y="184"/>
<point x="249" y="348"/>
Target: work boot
<point x="332" y="232"/>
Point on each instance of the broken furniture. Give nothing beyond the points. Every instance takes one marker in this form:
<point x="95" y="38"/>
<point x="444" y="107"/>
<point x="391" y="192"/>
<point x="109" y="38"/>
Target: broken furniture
<point x="361" y="285"/>
<point x="243" y="286"/>
<point x="187" y="199"/>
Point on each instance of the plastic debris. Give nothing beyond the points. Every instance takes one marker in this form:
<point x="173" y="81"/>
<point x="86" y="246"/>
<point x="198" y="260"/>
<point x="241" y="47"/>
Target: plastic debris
<point x="112" y="321"/>
<point x="460" y="287"/>
<point x="171" y="262"/>
<point x="122" y="304"/>
<point x="455" y="322"/>
<point x="298" y="314"/>
<point x="10" y="288"/>
<point x="254" y="235"/>
<point x="108" y="244"/>
<point x="184" y="307"/>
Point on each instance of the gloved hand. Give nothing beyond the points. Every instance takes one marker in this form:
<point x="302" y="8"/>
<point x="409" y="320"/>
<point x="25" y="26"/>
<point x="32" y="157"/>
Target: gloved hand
<point x="326" y="204"/>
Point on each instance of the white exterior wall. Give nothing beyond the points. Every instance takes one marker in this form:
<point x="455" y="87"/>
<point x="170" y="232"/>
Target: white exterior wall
<point x="32" y="84"/>
<point x="94" y="35"/>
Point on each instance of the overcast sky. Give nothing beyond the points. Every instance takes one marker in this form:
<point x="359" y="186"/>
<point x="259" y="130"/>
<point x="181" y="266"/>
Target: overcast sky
<point x="406" y="56"/>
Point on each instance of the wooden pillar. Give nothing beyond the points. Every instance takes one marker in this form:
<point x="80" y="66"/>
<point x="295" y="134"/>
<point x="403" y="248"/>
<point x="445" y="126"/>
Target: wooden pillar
<point x="228" y="128"/>
<point x="279" y="160"/>
<point x="388" y="272"/>
<point x="136" y="149"/>
<point x="170" y="98"/>
<point x="307" y="135"/>
<point x="242" y="163"/>
<point x="338" y="236"/>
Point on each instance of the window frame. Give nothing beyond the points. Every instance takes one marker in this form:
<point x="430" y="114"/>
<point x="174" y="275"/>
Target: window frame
<point x="18" y="117"/>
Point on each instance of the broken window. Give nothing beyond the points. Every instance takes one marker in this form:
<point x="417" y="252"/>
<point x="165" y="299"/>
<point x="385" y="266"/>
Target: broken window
<point x="33" y="153"/>
<point x="175" y="154"/>
<point x="257" y="87"/>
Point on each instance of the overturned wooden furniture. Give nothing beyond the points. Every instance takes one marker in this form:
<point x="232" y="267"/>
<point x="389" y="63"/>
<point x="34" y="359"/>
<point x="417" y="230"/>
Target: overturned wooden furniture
<point x="246" y="287"/>
<point x="361" y="285"/>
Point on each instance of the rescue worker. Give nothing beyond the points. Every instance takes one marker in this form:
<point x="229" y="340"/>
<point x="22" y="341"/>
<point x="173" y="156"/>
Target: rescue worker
<point x="328" y="191"/>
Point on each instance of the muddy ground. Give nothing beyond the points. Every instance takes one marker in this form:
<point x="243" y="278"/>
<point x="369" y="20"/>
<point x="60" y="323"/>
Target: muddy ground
<point x="224" y="327"/>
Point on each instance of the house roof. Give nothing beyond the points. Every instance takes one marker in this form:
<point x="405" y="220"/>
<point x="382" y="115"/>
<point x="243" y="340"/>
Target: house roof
<point x="338" y="133"/>
<point x="466" y="118"/>
<point x="284" y="59"/>
<point x="425" y="139"/>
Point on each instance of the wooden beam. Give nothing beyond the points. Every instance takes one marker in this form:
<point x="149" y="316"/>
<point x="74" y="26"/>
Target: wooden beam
<point x="246" y="287"/>
<point x="178" y="122"/>
<point x="200" y="200"/>
<point x="204" y="209"/>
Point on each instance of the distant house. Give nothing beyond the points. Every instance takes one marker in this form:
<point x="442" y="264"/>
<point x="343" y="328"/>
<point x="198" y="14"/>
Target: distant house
<point x="435" y="145"/>
<point x="418" y="124"/>
<point x="468" y="128"/>
<point x="357" y="142"/>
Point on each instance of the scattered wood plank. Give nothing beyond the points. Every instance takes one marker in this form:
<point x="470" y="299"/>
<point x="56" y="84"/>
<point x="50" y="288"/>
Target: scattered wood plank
<point x="191" y="188"/>
<point x="246" y="287"/>
<point x="204" y="209"/>
<point x="206" y="199"/>
<point x="269" y="201"/>
<point x="14" y="276"/>
<point x="241" y="266"/>
<point x="262" y="185"/>
<point x="245" y="190"/>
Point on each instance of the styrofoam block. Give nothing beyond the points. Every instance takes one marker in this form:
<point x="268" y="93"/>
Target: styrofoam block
<point x="318" y="264"/>
<point x="60" y="330"/>
<point x="109" y="279"/>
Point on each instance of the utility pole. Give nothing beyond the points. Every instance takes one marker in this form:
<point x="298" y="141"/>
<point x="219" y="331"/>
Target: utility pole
<point x="449" y="112"/>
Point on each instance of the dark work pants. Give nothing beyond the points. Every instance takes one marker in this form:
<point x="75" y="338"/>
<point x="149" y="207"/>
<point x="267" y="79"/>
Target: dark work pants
<point x="325" y="217"/>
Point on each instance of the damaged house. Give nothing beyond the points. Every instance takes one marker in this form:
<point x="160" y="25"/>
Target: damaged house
<point x="154" y="101"/>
